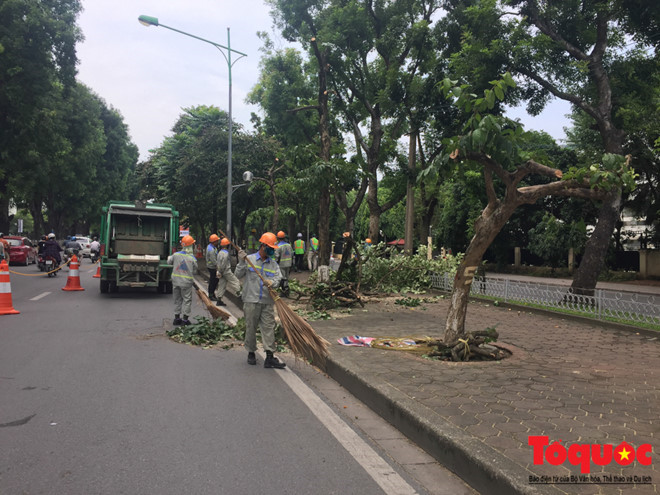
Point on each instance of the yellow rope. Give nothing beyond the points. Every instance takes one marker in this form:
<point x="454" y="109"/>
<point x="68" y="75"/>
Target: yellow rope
<point x="40" y="274"/>
<point x="467" y="347"/>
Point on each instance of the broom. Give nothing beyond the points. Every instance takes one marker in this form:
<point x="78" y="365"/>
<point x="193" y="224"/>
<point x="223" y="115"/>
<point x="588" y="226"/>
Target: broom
<point x="215" y="311"/>
<point x="304" y="341"/>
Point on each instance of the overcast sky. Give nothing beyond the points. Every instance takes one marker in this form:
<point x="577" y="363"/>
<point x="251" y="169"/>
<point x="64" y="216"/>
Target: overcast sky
<point x="150" y="74"/>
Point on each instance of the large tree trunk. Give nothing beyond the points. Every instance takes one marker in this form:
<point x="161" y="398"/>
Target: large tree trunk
<point x="276" y="208"/>
<point x="486" y="229"/>
<point x="36" y="210"/>
<point x="4" y="205"/>
<point x="324" y="230"/>
<point x="595" y="251"/>
<point x="410" y="196"/>
<point x="374" y="210"/>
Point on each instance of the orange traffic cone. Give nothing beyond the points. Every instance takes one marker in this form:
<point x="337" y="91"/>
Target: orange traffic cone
<point x="73" y="282"/>
<point x="98" y="272"/>
<point x="6" y="307"/>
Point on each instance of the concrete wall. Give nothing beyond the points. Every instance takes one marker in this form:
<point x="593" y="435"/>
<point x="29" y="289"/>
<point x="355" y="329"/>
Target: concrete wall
<point x="649" y="263"/>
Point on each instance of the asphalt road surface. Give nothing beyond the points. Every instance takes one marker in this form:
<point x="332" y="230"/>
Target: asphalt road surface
<point x="95" y="399"/>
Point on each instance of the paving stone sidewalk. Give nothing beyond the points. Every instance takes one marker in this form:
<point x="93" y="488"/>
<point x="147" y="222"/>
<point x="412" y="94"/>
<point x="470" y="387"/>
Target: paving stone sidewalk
<point x="572" y="381"/>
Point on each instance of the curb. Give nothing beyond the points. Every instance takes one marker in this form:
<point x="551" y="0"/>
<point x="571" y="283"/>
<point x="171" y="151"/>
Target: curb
<point x="479" y="465"/>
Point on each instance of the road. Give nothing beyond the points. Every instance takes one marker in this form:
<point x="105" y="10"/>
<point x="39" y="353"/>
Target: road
<point x="94" y="398"/>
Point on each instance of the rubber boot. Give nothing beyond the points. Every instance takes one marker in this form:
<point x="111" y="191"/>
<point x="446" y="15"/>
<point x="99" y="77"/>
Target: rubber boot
<point x="220" y="302"/>
<point x="177" y="320"/>
<point x="272" y="362"/>
<point x="252" y="358"/>
<point x="185" y="320"/>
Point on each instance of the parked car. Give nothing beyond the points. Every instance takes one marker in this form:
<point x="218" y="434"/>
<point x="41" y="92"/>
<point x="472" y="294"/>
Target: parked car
<point x="21" y="250"/>
<point x="84" y="246"/>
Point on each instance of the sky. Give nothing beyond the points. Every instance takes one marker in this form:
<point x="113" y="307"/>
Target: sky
<point x="150" y="74"/>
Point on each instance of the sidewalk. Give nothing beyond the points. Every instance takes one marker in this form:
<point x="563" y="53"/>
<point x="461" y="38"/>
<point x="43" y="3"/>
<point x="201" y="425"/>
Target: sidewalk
<point x="573" y="381"/>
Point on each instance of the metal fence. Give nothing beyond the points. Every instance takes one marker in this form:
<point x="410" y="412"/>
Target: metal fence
<point x="630" y="307"/>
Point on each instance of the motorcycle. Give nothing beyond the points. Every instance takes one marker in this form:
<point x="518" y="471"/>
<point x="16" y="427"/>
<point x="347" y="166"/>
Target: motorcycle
<point x="69" y="252"/>
<point x="50" y="265"/>
<point x="94" y="256"/>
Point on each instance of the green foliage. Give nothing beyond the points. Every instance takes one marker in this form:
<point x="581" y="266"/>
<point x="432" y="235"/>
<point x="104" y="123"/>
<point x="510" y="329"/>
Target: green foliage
<point x="295" y="286"/>
<point x="206" y="332"/>
<point x="409" y="302"/>
<point x="550" y="239"/>
<point x="613" y="171"/>
<point x="389" y="270"/>
<point x="314" y="315"/>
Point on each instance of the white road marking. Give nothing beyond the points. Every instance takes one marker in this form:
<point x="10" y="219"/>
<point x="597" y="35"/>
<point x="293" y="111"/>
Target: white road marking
<point x="40" y="296"/>
<point x="381" y="472"/>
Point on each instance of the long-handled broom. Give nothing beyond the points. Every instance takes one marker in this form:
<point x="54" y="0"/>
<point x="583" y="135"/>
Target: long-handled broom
<point x="304" y="341"/>
<point x="215" y="311"/>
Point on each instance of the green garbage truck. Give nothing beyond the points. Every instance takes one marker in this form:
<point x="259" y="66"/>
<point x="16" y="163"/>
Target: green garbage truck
<point x="136" y="240"/>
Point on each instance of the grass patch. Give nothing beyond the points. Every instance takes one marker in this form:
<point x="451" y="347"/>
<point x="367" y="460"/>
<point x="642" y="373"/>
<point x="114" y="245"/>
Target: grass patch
<point x="604" y="317"/>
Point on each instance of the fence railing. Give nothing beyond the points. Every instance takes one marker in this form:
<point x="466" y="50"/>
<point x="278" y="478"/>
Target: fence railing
<point x="603" y="304"/>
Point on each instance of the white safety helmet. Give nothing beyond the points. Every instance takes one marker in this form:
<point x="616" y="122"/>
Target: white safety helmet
<point x="299" y="234"/>
<point x="51" y="236"/>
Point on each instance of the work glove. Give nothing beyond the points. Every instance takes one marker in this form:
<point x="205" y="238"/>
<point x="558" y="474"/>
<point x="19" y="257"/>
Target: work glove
<point x="242" y="255"/>
<point x="268" y="283"/>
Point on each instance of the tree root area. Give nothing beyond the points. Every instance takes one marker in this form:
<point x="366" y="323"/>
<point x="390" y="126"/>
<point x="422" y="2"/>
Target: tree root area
<point x="474" y="347"/>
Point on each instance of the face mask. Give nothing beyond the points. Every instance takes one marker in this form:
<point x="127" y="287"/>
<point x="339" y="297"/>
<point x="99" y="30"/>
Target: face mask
<point x="270" y="251"/>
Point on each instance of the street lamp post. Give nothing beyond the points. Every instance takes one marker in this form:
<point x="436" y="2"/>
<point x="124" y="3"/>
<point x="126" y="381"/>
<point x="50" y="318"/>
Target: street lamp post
<point x="153" y="21"/>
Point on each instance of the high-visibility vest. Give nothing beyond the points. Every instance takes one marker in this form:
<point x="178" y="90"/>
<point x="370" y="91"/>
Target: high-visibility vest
<point x="299" y="247"/>
<point x="315" y="244"/>
<point x="252" y="242"/>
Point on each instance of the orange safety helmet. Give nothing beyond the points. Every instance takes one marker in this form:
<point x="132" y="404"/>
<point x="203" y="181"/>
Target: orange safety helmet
<point x="346" y="234"/>
<point x="269" y="239"/>
<point x="213" y="238"/>
<point x="367" y="240"/>
<point x="224" y="242"/>
<point x="187" y="241"/>
<point x="281" y="234"/>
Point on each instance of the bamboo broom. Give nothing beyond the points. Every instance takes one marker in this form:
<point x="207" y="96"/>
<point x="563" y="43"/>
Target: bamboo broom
<point x="215" y="311"/>
<point x="304" y="341"/>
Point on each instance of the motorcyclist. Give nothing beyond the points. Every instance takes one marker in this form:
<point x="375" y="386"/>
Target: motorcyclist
<point x="52" y="248"/>
<point x="73" y="246"/>
<point x="4" y="249"/>
<point x="41" y="245"/>
<point x="94" y="249"/>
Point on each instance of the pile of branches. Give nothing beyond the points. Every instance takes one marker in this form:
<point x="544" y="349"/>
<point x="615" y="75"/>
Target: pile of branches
<point x="469" y="348"/>
<point x="335" y="294"/>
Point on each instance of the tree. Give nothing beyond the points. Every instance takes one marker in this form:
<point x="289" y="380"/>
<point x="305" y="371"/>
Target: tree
<point x="493" y="144"/>
<point x="379" y="51"/>
<point x="563" y="50"/>
<point x="551" y="239"/>
<point x="297" y="23"/>
<point x="38" y="59"/>
<point x="288" y="95"/>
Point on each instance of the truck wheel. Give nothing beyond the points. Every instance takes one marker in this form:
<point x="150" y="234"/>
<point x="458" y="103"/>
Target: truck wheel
<point x="105" y="285"/>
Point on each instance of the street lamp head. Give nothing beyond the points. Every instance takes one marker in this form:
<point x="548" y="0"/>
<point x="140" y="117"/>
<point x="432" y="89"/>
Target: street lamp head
<point x="146" y="20"/>
<point x="247" y="176"/>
